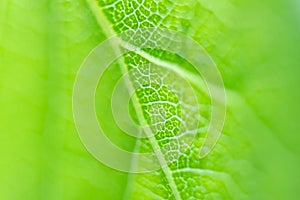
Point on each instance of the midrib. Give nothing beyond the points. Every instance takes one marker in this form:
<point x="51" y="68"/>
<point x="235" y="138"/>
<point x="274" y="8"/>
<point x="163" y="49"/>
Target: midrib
<point x="108" y="31"/>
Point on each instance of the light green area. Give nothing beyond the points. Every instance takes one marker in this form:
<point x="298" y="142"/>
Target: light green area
<point x="255" y="45"/>
<point x="43" y="44"/>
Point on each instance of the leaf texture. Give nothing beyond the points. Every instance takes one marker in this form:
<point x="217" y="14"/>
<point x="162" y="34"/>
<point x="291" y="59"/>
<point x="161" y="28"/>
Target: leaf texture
<point x="185" y="176"/>
<point x="255" y="45"/>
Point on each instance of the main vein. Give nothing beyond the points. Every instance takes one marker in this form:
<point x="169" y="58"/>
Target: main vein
<point x="105" y="25"/>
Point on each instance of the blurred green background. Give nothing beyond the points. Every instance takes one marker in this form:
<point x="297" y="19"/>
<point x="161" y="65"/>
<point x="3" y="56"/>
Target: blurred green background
<point x="44" y="42"/>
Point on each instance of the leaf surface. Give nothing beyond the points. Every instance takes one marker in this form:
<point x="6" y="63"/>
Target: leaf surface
<point x="255" y="45"/>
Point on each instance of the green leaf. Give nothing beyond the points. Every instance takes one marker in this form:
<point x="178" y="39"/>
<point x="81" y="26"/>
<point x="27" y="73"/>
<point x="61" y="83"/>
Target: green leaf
<point x="255" y="45"/>
<point x="217" y="176"/>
